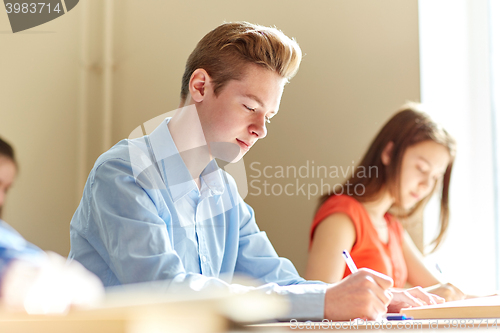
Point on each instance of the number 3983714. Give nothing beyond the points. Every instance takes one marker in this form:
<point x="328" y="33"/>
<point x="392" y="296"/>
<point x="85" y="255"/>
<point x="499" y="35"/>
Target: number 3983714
<point x="31" y="8"/>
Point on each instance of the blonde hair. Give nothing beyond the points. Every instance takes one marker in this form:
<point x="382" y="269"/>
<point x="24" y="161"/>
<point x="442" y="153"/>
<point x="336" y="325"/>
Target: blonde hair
<point x="225" y="51"/>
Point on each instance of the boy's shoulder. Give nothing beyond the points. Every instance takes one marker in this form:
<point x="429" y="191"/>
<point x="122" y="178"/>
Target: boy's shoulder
<point x="129" y="152"/>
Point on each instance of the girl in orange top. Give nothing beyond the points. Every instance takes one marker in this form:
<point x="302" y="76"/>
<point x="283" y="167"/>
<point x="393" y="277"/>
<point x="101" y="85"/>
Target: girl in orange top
<point x="410" y="158"/>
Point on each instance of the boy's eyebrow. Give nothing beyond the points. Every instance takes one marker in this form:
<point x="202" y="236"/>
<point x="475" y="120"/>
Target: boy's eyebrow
<point x="255" y="98"/>
<point x="258" y="100"/>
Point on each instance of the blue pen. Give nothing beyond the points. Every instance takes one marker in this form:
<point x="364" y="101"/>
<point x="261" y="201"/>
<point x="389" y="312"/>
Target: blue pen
<point x="399" y="317"/>
<point x="348" y="260"/>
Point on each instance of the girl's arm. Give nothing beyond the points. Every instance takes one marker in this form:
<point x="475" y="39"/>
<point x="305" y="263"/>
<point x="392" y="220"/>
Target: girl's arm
<point x="333" y="235"/>
<point x="419" y="274"/>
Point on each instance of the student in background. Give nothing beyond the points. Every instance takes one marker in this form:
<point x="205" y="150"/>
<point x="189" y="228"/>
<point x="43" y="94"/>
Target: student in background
<point x="8" y="170"/>
<point x="409" y="159"/>
<point x="32" y="280"/>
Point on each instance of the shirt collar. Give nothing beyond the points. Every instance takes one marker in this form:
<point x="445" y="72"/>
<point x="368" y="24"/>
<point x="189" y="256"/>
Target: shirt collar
<point x="212" y="176"/>
<point x="173" y="170"/>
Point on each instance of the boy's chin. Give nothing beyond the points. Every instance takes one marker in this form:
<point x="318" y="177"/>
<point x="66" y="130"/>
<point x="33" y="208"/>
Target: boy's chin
<point x="238" y="158"/>
<point x="227" y="152"/>
<point x="225" y="161"/>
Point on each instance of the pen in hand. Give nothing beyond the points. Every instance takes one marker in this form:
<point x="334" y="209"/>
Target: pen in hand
<point x="348" y="260"/>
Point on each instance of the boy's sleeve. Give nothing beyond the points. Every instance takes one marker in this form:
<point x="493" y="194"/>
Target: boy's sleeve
<point x="257" y="258"/>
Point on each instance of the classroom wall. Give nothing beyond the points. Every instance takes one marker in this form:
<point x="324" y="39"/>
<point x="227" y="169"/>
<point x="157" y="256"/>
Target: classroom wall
<point x="360" y="64"/>
<point x="38" y="115"/>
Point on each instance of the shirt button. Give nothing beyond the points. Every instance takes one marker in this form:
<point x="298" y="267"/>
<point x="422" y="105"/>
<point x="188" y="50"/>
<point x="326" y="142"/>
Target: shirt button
<point x="204" y="259"/>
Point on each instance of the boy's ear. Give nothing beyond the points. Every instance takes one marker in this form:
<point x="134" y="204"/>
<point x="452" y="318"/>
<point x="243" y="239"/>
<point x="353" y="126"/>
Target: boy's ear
<point x="387" y="153"/>
<point x="198" y="84"/>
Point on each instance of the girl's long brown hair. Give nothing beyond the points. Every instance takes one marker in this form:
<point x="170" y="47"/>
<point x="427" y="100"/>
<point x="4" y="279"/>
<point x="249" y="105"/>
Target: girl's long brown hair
<point x="407" y="127"/>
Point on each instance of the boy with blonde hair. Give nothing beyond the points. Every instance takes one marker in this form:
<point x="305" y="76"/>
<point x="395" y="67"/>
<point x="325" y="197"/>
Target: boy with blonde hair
<point x="159" y="208"/>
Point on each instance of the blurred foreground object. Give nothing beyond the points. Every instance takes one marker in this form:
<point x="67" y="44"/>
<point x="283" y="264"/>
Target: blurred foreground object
<point x="48" y="285"/>
<point x="144" y="308"/>
<point x="37" y="282"/>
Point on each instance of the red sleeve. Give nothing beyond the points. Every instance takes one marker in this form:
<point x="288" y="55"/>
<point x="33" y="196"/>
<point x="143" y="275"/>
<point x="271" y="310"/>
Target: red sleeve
<point x="338" y="204"/>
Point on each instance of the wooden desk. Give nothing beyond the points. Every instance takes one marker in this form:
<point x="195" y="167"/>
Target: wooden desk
<point x="168" y="317"/>
<point x="138" y="313"/>
<point x="130" y="314"/>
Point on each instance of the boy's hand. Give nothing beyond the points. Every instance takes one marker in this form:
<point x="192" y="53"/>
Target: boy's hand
<point x="363" y="294"/>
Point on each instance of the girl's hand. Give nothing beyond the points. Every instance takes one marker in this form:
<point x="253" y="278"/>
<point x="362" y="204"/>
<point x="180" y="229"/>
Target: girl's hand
<point x="448" y="291"/>
<point x="412" y="297"/>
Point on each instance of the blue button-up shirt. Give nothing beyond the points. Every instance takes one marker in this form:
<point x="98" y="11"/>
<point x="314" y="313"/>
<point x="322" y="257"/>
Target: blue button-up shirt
<point x="142" y="218"/>
<point x="13" y="246"/>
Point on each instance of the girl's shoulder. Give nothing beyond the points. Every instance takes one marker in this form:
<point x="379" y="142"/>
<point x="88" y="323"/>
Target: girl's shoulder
<point x="342" y="202"/>
<point x="346" y="205"/>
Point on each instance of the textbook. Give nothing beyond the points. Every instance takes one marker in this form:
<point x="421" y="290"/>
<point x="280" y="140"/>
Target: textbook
<point x="481" y="307"/>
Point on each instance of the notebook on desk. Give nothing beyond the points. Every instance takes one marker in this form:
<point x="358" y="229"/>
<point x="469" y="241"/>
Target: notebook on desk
<point x="481" y="307"/>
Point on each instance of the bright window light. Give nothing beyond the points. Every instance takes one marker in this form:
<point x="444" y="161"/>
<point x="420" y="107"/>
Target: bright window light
<point x="456" y="86"/>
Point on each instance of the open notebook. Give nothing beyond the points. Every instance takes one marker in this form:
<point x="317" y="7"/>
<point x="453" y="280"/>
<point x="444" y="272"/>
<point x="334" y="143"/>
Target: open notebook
<point x="481" y="307"/>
